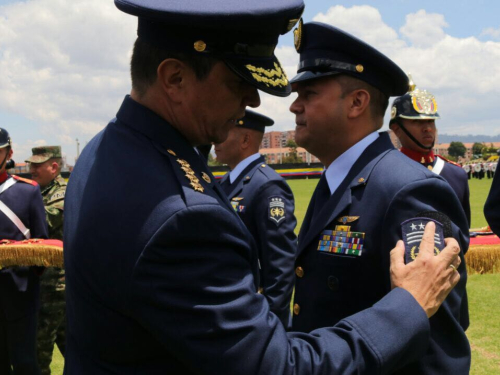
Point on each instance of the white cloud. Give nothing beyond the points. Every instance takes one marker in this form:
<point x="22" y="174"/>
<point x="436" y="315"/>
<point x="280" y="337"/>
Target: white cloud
<point x="364" y="22"/>
<point x="424" y="29"/>
<point x="461" y="72"/>
<point x="23" y="150"/>
<point x="494" y="33"/>
<point x="65" y="63"/>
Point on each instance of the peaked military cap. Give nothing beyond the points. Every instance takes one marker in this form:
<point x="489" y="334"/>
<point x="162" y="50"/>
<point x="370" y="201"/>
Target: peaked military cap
<point x="415" y="105"/>
<point x="4" y="138"/>
<point x="43" y="153"/>
<point x="254" y="121"/>
<point x="326" y="50"/>
<point x="242" y="34"/>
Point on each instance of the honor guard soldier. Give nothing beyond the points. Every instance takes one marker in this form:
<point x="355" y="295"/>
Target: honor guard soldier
<point x="45" y="169"/>
<point x="413" y="117"/>
<point x="369" y="196"/>
<point x="161" y="274"/>
<point x="264" y="201"/>
<point x="21" y="217"/>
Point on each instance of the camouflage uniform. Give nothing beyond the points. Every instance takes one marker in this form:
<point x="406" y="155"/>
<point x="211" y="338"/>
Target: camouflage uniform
<point x="52" y="314"/>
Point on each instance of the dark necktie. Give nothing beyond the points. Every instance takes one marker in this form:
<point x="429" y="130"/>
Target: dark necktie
<point x="226" y="185"/>
<point x="322" y="195"/>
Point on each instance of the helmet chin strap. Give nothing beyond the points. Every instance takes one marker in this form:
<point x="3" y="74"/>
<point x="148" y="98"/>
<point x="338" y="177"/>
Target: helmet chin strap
<point x="429" y="148"/>
<point x="5" y="158"/>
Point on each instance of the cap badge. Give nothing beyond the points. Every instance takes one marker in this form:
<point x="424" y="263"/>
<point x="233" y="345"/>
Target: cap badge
<point x="266" y="76"/>
<point x="297" y="36"/>
<point x="359" y="68"/>
<point x="189" y="173"/>
<point x="200" y="46"/>
<point x="423" y="102"/>
<point x="206" y="177"/>
<point x="394" y="112"/>
<point x="291" y="24"/>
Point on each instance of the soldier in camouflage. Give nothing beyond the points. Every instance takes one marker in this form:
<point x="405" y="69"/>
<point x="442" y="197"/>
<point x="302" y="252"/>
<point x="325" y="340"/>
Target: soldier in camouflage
<point x="45" y="168"/>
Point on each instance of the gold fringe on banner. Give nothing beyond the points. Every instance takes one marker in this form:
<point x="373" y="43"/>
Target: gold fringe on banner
<point x="483" y="259"/>
<point x="44" y="253"/>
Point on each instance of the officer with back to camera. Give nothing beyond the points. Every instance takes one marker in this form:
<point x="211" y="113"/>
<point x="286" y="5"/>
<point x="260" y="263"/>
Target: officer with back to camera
<point x="161" y="274"/>
<point x="21" y="217"/>
<point x="264" y="201"/>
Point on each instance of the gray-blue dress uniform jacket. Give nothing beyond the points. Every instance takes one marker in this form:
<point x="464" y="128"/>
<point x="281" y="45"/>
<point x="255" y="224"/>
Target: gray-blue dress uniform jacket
<point x="383" y="189"/>
<point x="161" y="277"/>
<point x="264" y="201"/>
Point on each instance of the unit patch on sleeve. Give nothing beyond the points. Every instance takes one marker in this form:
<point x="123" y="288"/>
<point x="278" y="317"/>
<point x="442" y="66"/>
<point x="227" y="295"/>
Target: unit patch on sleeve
<point x="277" y="211"/>
<point x="413" y="231"/>
<point x="341" y="240"/>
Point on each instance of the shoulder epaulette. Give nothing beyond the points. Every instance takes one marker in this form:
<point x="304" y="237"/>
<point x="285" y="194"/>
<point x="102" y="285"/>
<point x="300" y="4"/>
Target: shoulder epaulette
<point x="31" y="182"/>
<point x="449" y="161"/>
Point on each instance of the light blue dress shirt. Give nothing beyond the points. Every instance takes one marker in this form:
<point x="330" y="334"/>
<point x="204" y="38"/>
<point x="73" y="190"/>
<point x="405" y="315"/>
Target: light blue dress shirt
<point x="338" y="170"/>
<point x="233" y="175"/>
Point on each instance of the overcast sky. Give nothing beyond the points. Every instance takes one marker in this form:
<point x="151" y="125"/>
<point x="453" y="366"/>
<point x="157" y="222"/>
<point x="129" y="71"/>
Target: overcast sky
<point x="64" y="63"/>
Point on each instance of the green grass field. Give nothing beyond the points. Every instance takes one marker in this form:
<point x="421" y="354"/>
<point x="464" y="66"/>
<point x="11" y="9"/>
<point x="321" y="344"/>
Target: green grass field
<point x="483" y="290"/>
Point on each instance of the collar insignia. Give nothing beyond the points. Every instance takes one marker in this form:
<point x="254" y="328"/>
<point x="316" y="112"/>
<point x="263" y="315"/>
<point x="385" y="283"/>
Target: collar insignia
<point x="206" y="177"/>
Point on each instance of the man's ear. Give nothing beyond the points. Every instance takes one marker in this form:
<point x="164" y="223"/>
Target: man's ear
<point x="172" y="76"/>
<point x="358" y="103"/>
<point x="395" y="128"/>
<point x="54" y="167"/>
<point x="9" y="156"/>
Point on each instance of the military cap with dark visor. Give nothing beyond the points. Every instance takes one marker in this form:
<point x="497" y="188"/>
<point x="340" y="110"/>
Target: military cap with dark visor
<point x="254" y="121"/>
<point x="242" y="34"/>
<point x="326" y="50"/>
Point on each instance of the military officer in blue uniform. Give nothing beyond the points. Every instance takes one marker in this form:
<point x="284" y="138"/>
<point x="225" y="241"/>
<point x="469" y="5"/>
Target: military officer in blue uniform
<point x="22" y="216"/>
<point x="492" y="205"/>
<point x="413" y="117"/>
<point x="161" y="274"/>
<point x="264" y="201"/>
<point x="369" y="189"/>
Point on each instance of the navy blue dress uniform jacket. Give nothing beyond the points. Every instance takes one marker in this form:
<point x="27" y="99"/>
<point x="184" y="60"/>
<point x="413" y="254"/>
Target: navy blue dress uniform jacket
<point x="20" y="286"/>
<point x="383" y="188"/>
<point x="162" y="278"/>
<point x="492" y="206"/>
<point x="251" y="195"/>
<point x="457" y="178"/>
